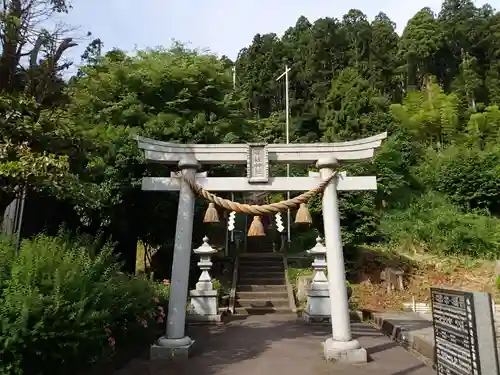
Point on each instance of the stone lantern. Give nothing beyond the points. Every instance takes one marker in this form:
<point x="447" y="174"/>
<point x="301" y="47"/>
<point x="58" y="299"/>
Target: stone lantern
<point x="318" y="296"/>
<point x="204" y="304"/>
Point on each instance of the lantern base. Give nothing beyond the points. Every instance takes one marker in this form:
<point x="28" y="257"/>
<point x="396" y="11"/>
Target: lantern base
<point x="318" y="306"/>
<point x="204" y="303"/>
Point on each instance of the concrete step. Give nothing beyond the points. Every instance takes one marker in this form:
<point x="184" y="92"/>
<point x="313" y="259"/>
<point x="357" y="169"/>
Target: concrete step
<point x="261" y="263"/>
<point x="261" y="267"/>
<point x="260" y="288"/>
<point x="261" y="257"/>
<point x="265" y="256"/>
<point x="262" y="281"/>
<point x="262" y="294"/>
<point x="245" y="274"/>
<point x="263" y="303"/>
<point x="261" y="311"/>
<point x="261" y="254"/>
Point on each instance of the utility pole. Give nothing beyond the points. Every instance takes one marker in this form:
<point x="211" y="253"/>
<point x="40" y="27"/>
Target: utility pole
<point x="287" y="132"/>
<point x="234" y="77"/>
<point x="232" y="194"/>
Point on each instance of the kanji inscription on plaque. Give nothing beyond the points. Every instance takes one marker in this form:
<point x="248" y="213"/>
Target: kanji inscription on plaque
<point x="257" y="163"/>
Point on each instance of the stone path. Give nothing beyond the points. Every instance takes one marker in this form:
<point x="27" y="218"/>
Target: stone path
<point x="418" y="330"/>
<point x="280" y="344"/>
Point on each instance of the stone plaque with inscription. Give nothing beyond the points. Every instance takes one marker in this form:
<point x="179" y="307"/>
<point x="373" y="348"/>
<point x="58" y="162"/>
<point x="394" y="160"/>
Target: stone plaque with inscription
<point x="464" y="333"/>
<point x="257" y="163"/>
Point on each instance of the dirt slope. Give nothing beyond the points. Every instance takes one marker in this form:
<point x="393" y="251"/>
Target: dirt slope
<point x="421" y="272"/>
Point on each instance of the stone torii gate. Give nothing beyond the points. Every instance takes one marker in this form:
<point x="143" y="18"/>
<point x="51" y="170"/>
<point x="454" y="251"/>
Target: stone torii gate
<point x="257" y="157"/>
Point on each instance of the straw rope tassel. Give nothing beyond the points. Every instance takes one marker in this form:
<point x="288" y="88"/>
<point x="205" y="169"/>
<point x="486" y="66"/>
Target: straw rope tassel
<point x="256" y="228"/>
<point x="211" y="215"/>
<point x="303" y="216"/>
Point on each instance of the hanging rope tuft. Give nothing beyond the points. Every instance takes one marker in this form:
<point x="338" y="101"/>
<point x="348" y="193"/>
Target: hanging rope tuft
<point x="303" y="216"/>
<point x="256" y="228"/>
<point x="211" y="215"/>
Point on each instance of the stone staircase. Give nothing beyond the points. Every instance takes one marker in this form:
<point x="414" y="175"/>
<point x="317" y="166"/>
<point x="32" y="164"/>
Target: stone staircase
<point x="261" y="287"/>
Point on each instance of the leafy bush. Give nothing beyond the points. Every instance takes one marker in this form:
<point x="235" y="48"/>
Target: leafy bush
<point x="303" y="238"/>
<point x="62" y="309"/>
<point x="7" y="253"/>
<point x="470" y="177"/>
<point x="216" y="284"/>
<point x="294" y="273"/>
<point x="392" y="164"/>
<point x="358" y="215"/>
<point x="436" y="225"/>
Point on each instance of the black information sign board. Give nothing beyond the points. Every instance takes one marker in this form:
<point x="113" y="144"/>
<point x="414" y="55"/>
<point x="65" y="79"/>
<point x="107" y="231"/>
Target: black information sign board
<point x="455" y="332"/>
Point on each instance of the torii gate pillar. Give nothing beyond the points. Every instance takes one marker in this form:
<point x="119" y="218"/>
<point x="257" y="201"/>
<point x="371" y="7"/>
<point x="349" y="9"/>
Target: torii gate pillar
<point x="175" y="342"/>
<point x="341" y="346"/>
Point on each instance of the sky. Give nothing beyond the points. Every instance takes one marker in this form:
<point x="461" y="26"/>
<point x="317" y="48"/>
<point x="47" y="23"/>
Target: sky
<point x="221" y="26"/>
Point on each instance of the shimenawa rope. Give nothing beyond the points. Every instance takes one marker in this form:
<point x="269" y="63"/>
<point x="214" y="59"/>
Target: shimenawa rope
<point x="258" y="210"/>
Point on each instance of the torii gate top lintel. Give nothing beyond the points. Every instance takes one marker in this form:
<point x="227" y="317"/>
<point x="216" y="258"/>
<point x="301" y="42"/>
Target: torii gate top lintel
<point x="300" y="153"/>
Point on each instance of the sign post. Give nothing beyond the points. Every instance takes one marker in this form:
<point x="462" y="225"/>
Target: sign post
<point x="464" y="333"/>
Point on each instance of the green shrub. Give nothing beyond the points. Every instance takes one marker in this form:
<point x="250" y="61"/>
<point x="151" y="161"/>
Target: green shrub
<point x="469" y="177"/>
<point x="162" y="290"/>
<point x="358" y="219"/>
<point x="294" y="273"/>
<point x="303" y="238"/>
<point x="216" y="284"/>
<point x="63" y="310"/>
<point x="7" y="253"/>
<point x="436" y="225"/>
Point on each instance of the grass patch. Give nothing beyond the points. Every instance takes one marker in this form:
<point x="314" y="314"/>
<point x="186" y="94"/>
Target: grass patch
<point x="433" y="225"/>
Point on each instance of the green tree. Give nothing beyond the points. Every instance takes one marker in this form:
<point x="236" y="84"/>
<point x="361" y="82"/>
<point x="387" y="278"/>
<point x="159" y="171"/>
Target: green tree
<point x="173" y="95"/>
<point x="354" y="108"/>
<point x="419" y="45"/>
<point x="37" y="144"/>
<point x="359" y="35"/>
<point x="484" y="128"/>
<point x="430" y="115"/>
<point x="384" y="49"/>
